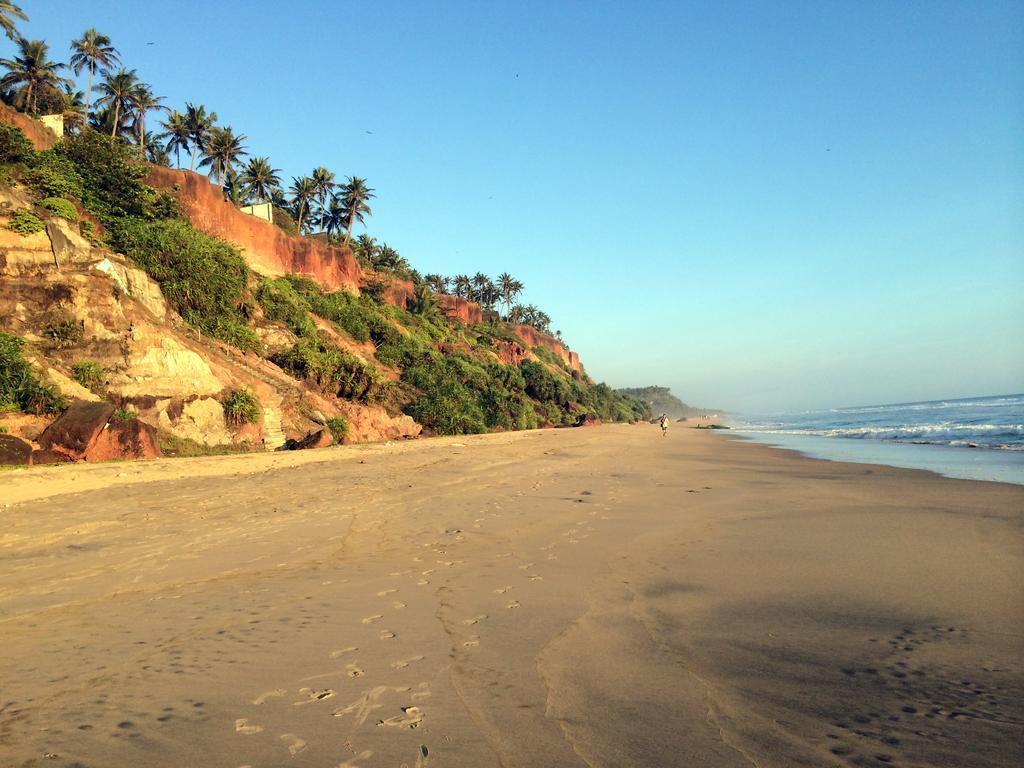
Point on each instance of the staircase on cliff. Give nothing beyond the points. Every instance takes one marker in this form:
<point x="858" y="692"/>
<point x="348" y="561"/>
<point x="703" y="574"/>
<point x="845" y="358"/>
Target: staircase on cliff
<point x="273" y="433"/>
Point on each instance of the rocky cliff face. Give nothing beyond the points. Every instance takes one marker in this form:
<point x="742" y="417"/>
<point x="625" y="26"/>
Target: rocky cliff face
<point x="111" y="313"/>
<point x="40" y="136"/>
<point x="272" y="252"/>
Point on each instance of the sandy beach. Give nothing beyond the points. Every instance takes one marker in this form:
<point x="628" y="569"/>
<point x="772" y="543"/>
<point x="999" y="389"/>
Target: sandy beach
<point x="578" y="597"/>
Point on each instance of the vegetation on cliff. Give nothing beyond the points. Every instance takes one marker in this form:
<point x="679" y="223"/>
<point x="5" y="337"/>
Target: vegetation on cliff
<point x="20" y="388"/>
<point x="661" y="400"/>
<point x="411" y="359"/>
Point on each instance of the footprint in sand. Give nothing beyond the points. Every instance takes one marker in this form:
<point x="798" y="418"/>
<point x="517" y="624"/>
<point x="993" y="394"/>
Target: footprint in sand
<point x="313" y="696"/>
<point x="242" y="726"/>
<point x="341" y="652"/>
<point x="474" y="620"/>
<point x="552" y="557"/>
<point x="371" y="619"/>
<point x="354" y="670"/>
<point x="398" y="604"/>
<point x="386" y="634"/>
<point x="403" y="663"/>
<point x="366" y="754"/>
<point x="514" y="604"/>
<point x="526" y="567"/>
<point x="411" y="717"/>
<point x="262" y="698"/>
<point x="297" y="744"/>
<point x="422" y="583"/>
<point x="502" y="590"/>
<point x="535" y="577"/>
<point x="474" y="640"/>
<point x="427" y="572"/>
<point x="386" y="592"/>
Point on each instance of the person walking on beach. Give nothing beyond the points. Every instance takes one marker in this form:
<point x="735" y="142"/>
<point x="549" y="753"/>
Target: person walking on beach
<point x="664" y="425"/>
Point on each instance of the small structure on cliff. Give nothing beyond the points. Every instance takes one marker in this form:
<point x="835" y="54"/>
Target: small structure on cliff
<point x="260" y="211"/>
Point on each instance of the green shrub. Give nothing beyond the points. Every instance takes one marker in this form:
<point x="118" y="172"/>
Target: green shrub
<point x="334" y="370"/>
<point x="241" y="407"/>
<point x="58" y="206"/>
<point x="111" y="178"/>
<point x="88" y="373"/>
<point x="88" y="230"/>
<point x="20" y="388"/>
<point x="25" y="223"/>
<point x="202" y="277"/>
<point x="543" y="385"/>
<point x="53" y="175"/>
<point x="339" y="428"/>
<point x="125" y="414"/>
<point x="63" y="331"/>
<point x="284" y="220"/>
<point x="14" y="147"/>
<point x="280" y="301"/>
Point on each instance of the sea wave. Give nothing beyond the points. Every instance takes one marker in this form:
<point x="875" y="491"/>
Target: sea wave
<point x="944" y="433"/>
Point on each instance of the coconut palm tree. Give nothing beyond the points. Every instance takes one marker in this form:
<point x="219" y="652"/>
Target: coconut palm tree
<point x="176" y="131"/>
<point x="93" y="50"/>
<point x="200" y="125"/>
<point x="33" y="71"/>
<point x="118" y="90"/>
<point x="508" y="290"/>
<point x="143" y="101"/>
<point x="155" y="151"/>
<point x="74" y="108"/>
<point x="223" y="150"/>
<point x="365" y="247"/>
<point x="304" y="191"/>
<point x="332" y="218"/>
<point x="462" y="286"/>
<point x="7" y="10"/>
<point x="354" y="195"/>
<point x="325" y="184"/>
<point x="437" y="283"/>
<point x="260" y="177"/>
<point x="423" y="302"/>
<point x="234" y="190"/>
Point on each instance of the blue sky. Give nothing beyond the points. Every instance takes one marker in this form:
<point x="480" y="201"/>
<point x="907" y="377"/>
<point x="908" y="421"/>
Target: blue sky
<point x="765" y="206"/>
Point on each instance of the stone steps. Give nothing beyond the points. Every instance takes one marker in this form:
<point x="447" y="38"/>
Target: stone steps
<point x="273" y="434"/>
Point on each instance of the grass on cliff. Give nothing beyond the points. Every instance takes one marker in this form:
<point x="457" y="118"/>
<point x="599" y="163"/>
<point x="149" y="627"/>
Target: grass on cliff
<point x="20" y="388"/>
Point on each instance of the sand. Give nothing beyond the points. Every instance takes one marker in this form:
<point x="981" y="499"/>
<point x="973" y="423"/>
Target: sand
<point x="599" y="596"/>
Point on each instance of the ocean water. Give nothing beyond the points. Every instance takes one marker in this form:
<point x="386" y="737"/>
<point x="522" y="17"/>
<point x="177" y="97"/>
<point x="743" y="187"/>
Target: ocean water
<point x="979" y="438"/>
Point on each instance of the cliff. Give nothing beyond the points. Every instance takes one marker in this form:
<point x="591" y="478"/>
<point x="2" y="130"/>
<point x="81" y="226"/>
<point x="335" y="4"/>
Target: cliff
<point x="271" y="251"/>
<point x="40" y="136"/>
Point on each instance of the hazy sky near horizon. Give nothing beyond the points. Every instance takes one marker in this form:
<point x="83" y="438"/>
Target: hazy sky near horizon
<point x="765" y="206"/>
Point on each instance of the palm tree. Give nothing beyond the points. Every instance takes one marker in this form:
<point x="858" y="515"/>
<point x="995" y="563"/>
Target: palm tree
<point x="517" y="314"/>
<point x="303" y="191"/>
<point x="234" y="190"/>
<point x="260" y="177"/>
<point x="91" y="50"/>
<point x="508" y="289"/>
<point x="365" y="247"/>
<point x="200" y="125"/>
<point x="118" y="90"/>
<point x="177" y="134"/>
<point x="463" y="286"/>
<point x="423" y="302"/>
<point x="7" y="10"/>
<point x="354" y="196"/>
<point x="144" y="101"/>
<point x="437" y="283"/>
<point x="324" y="181"/>
<point x="222" y="151"/>
<point x="155" y="152"/>
<point x="332" y="218"/>
<point x="33" y="71"/>
<point x="74" y="107"/>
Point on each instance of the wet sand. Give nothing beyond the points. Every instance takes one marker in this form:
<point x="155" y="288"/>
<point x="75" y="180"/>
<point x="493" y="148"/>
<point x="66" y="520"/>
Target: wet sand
<point x="600" y="597"/>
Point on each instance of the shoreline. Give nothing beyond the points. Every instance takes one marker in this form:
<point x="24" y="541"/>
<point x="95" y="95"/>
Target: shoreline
<point x="586" y="597"/>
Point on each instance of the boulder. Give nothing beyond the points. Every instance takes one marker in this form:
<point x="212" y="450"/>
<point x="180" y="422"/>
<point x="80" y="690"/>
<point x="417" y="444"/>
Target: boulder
<point x="124" y="439"/>
<point x="321" y="438"/>
<point x="49" y="457"/>
<point x="14" y="450"/>
<point x="75" y="430"/>
<point x="588" y="420"/>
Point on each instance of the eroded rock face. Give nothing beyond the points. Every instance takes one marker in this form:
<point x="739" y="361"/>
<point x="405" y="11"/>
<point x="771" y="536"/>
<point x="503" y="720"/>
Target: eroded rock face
<point x="40" y="136"/>
<point x="124" y="439"/>
<point x="160" y="366"/>
<point x="267" y="248"/>
<point x="200" y="420"/>
<point x="76" y="429"/>
<point x="14" y="450"/>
